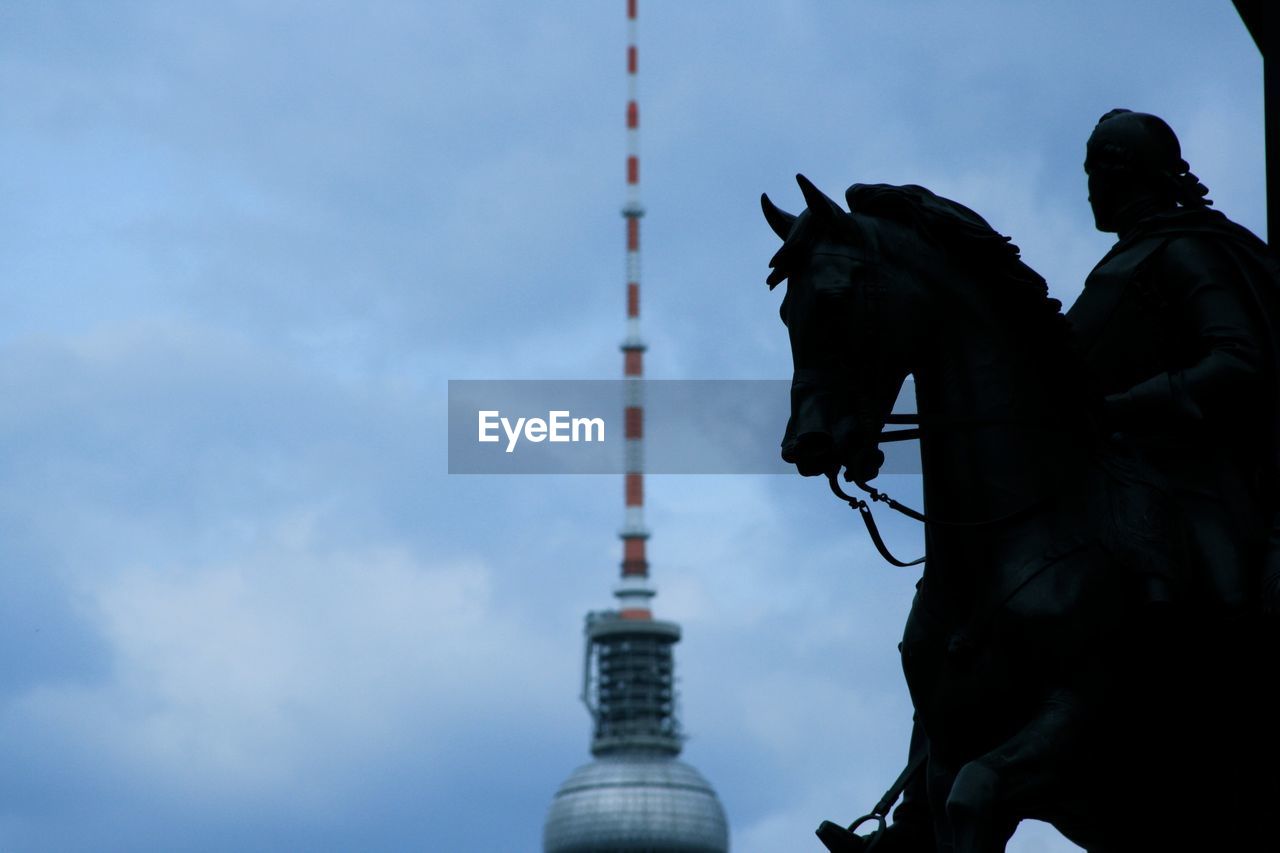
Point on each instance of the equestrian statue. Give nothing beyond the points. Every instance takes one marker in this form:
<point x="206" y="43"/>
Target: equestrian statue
<point x="1091" y="641"/>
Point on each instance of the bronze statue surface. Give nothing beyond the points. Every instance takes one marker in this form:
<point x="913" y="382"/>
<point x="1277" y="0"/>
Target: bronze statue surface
<point x="1098" y="493"/>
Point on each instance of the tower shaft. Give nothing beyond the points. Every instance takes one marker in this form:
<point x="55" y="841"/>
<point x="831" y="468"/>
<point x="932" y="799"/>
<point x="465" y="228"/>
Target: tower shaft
<point x="634" y="591"/>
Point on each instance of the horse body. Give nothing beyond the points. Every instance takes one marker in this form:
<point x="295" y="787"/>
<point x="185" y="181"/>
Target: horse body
<point x="1045" y="554"/>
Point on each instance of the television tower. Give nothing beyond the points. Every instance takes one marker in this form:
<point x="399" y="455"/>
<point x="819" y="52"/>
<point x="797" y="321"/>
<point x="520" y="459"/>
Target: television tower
<point x="636" y="796"/>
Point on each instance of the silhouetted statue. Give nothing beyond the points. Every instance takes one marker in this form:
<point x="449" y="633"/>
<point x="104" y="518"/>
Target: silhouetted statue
<point x="1055" y="548"/>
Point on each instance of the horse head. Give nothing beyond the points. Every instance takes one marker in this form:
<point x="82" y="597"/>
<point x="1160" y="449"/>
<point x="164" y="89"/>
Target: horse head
<point x="846" y="371"/>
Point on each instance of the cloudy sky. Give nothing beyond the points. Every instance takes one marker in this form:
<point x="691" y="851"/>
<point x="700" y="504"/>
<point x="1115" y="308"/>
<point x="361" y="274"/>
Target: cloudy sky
<point x="243" y="247"/>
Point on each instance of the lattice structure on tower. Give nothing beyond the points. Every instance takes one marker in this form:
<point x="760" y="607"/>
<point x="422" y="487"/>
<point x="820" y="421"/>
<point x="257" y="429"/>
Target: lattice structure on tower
<point x="629" y="684"/>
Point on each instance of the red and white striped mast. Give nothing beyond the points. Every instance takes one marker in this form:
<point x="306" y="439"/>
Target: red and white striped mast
<point x="635" y="795"/>
<point x="634" y="591"/>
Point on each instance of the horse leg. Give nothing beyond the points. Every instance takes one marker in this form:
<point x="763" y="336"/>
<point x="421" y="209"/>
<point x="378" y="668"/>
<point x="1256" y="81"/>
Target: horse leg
<point x="993" y="792"/>
<point x="978" y="823"/>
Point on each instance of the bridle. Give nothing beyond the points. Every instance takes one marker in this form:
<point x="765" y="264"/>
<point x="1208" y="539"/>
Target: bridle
<point x="875" y="495"/>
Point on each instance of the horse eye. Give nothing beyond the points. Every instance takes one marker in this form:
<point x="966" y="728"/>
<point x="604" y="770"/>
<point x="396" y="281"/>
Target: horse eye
<point x="838" y="284"/>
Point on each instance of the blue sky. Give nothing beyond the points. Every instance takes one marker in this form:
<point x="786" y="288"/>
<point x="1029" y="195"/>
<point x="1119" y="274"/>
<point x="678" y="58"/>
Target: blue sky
<point x="244" y="246"/>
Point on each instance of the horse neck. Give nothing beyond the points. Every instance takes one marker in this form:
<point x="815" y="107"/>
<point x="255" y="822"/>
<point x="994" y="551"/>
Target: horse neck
<point x="1000" y="435"/>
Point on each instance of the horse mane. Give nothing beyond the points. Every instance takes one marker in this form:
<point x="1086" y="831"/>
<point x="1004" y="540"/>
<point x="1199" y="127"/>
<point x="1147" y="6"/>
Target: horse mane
<point x="1035" y="316"/>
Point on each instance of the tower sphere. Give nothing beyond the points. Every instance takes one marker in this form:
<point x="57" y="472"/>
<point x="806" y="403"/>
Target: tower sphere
<point x="636" y="804"/>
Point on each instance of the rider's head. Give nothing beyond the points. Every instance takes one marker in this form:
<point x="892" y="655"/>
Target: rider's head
<point x="1135" y="166"/>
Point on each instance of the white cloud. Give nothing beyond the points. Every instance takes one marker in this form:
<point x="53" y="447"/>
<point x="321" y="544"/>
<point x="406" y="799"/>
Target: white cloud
<point x="284" y="675"/>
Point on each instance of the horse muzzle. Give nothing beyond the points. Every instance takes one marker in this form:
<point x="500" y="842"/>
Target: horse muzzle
<point x="822" y="433"/>
<point x="819" y="451"/>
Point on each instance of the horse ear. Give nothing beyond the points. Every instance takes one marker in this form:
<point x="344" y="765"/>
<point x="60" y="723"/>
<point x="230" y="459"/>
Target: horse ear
<point x="779" y="220"/>
<point x="817" y="201"/>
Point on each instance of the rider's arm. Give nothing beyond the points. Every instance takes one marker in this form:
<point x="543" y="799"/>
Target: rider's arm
<point x="1199" y="283"/>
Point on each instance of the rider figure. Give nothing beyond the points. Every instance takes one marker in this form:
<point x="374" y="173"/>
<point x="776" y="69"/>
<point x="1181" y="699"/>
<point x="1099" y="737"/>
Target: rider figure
<point x="1174" y="326"/>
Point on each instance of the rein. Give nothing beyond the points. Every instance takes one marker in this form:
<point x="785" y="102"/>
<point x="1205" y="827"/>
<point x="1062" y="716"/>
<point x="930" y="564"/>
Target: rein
<point x="864" y="510"/>
<point x="934" y="423"/>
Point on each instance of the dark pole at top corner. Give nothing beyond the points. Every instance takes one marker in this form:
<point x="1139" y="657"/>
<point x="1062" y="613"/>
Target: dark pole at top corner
<point x="1262" y="19"/>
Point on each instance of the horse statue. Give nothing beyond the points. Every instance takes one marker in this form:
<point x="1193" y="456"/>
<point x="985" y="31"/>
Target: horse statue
<point x="1048" y="557"/>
